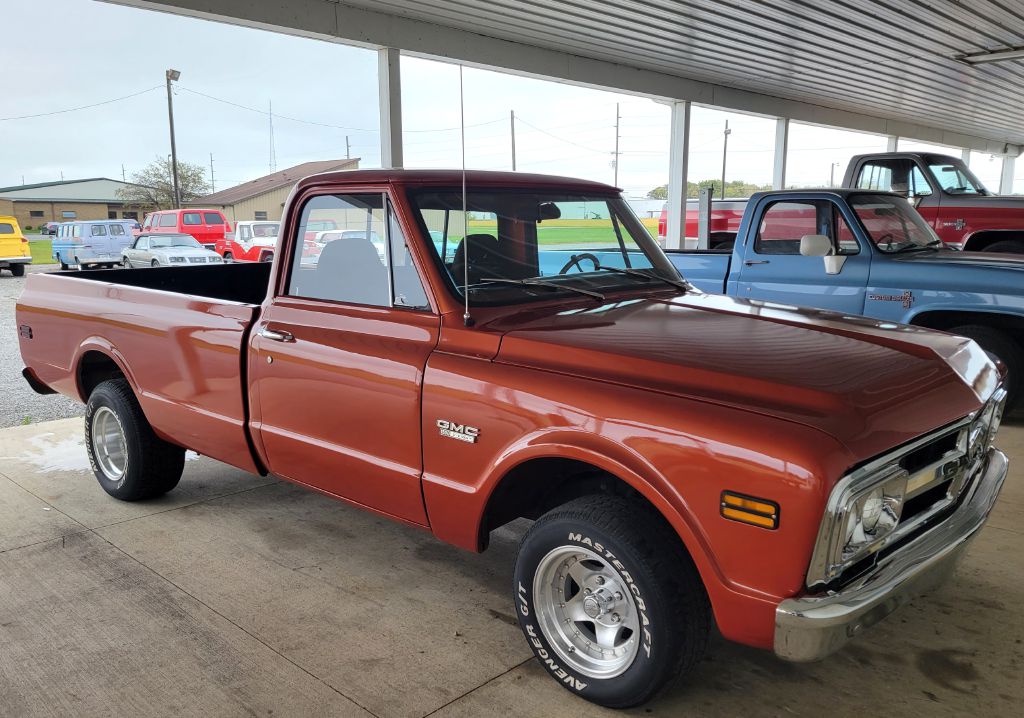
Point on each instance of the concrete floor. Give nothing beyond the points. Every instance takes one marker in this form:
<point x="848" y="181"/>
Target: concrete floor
<point x="236" y="595"/>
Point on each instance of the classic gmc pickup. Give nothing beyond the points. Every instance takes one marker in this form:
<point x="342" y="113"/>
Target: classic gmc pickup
<point x="791" y="475"/>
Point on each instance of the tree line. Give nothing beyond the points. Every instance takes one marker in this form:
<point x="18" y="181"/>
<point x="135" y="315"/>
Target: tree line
<point x="735" y="188"/>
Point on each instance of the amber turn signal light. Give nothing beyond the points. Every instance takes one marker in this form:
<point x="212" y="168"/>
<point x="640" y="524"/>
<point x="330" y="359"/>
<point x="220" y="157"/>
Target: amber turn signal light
<point x="749" y="510"/>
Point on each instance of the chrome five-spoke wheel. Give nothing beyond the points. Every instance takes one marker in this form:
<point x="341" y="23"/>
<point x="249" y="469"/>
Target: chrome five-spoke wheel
<point x="587" y="612"/>
<point x="108" y="444"/>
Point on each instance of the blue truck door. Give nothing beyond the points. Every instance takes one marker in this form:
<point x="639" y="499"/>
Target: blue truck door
<point x="772" y="268"/>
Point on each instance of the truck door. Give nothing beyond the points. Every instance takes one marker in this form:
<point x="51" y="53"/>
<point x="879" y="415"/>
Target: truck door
<point x="337" y="361"/>
<point x="773" y="269"/>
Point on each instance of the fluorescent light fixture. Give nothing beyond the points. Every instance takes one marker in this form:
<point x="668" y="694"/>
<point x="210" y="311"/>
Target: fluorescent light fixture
<point x="977" y="58"/>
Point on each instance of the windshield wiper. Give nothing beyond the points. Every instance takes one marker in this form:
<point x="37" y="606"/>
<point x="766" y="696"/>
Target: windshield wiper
<point x="933" y="244"/>
<point x="544" y="283"/>
<point x="644" y="275"/>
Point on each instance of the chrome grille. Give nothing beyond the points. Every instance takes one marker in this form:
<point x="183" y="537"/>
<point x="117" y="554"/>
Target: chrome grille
<point x="197" y="260"/>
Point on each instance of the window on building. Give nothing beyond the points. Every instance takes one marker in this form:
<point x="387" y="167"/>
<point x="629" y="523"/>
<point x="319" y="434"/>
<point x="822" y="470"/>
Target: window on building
<point x="260" y="216"/>
<point x="36" y="214"/>
<point x="131" y="215"/>
<point x="69" y="214"/>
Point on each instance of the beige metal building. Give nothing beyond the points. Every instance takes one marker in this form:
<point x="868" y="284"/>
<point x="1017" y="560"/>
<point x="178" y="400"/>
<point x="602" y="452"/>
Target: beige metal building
<point x="93" y="198"/>
<point x="263" y="198"/>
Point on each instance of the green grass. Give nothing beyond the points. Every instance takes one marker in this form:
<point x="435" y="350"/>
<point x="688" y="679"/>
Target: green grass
<point x="41" y="251"/>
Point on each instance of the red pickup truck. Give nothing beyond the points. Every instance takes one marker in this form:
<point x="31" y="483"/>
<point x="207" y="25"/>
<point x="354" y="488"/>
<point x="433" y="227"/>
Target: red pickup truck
<point x="951" y="199"/>
<point x="497" y="362"/>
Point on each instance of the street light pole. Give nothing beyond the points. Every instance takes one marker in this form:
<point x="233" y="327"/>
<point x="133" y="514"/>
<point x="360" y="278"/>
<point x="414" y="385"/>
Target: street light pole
<point x="172" y="76"/>
<point x="725" y="150"/>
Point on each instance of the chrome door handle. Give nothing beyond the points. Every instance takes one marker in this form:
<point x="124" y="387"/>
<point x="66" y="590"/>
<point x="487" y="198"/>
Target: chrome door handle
<point x="277" y="336"/>
<point x="752" y="262"/>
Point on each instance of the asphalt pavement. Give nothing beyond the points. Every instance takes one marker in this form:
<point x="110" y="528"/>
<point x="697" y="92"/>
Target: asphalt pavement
<point x="18" y="403"/>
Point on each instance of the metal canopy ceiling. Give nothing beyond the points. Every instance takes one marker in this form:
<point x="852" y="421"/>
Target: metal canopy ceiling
<point x="885" y="66"/>
<point x="891" y="58"/>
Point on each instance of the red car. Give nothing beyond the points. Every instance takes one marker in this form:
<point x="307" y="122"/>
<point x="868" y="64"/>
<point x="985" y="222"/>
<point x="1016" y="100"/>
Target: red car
<point x="788" y="475"/>
<point x="206" y="225"/>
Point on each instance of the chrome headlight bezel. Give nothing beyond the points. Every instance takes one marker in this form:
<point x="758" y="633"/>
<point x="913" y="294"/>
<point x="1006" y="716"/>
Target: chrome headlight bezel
<point x="176" y="260"/>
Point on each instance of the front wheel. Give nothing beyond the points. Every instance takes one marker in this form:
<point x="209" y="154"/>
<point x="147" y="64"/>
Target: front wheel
<point x="62" y="263"/>
<point x="1002" y="346"/>
<point x="609" y="601"/>
<point x="154" y="263"/>
<point x="129" y="460"/>
<point x="18" y="270"/>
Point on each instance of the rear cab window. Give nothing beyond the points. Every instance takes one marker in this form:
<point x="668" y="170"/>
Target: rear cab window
<point x="6" y="228"/>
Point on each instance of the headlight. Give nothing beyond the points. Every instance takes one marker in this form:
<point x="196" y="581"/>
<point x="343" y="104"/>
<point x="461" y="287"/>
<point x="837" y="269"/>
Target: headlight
<point x="996" y="407"/>
<point x="176" y="260"/>
<point x="871" y="515"/>
<point x="214" y="259"/>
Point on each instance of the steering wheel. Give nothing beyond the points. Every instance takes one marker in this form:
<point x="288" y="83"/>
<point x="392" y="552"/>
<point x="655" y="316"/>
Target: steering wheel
<point x="575" y="260"/>
<point x="886" y="238"/>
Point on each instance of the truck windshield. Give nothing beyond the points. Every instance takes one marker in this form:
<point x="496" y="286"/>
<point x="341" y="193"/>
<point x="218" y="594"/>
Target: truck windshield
<point x="512" y="246"/>
<point x="893" y="224"/>
<point x="956" y="180"/>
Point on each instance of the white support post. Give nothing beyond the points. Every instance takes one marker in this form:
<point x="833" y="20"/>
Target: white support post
<point x="965" y="155"/>
<point x="781" y="148"/>
<point x="389" y="81"/>
<point x="1006" y="176"/>
<point x="892" y="143"/>
<point x="678" y="158"/>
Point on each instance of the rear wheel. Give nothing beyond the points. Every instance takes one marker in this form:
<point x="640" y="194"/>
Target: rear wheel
<point x="18" y="270"/>
<point x="609" y="601"/>
<point x="1002" y="346"/>
<point x="1008" y="246"/>
<point x="129" y="460"/>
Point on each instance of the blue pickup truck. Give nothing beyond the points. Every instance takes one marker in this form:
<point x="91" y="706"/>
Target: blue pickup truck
<point x="868" y="253"/>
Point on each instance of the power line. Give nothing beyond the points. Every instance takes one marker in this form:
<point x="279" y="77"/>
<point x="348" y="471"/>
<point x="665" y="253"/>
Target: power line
<point x="561" y="139"/>
<point x="82" y="107"/>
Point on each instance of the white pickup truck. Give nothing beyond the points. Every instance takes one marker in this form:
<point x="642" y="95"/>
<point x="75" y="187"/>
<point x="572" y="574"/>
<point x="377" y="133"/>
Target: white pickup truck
<point x="252" y="241"/>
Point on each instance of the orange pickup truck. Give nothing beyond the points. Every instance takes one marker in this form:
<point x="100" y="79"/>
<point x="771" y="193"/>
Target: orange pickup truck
<point x="523" y="348"/>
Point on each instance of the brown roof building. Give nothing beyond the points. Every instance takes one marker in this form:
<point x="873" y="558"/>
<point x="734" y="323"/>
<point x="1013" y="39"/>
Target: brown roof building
<point x="263" y="198"/>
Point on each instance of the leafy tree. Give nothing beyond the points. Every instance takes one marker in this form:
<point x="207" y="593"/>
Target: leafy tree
<point x="733" y="189"/>
<point x="154" y="187"/>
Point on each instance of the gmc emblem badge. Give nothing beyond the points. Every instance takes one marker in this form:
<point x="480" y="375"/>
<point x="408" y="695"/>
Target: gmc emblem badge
<point x="460" y="432"/>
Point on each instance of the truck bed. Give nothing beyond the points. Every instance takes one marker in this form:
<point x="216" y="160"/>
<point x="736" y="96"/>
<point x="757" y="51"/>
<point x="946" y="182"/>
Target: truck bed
<point x="180" y="336"/>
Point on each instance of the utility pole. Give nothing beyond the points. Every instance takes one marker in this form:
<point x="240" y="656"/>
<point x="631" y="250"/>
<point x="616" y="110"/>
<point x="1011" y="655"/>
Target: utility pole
<point x="617" y="119"/>
<point x="725" y="150"/>
<point x="273" y="153"/>
<point x="123" y="177"/>
<point x="173" y="76"/>
<point x="62" y="175"/>
<point x="832" y="174"/>
<point x="512" y="120"/>
<point x="348" y="149"/>
<point x="213" y="183"/>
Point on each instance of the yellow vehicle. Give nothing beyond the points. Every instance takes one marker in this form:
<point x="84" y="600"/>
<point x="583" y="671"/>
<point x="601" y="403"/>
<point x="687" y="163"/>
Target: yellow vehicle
<point x="14" y="251"/>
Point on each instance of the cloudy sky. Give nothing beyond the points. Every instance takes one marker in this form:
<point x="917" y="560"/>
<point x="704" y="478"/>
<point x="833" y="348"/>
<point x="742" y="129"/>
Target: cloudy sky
<point x="324" y="93"/>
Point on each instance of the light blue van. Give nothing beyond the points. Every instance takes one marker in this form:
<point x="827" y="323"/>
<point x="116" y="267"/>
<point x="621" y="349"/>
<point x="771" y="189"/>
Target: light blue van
<point x="91" y="242"/>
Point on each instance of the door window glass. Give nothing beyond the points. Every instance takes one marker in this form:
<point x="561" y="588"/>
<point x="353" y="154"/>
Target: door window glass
<point x="191" y="218"/>
<point x="784" y="224"/>
<point x="117" y="230"/>
<point x="76" y="231"/>
<point x="98" y="230"/>
<point x="348" y="265"/>
<point x="168" y="220"/>
<point x="894" y="175"/>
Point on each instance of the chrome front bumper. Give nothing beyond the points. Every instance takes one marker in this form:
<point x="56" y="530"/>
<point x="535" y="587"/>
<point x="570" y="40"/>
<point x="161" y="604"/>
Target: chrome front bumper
<point x="810" y="628"/>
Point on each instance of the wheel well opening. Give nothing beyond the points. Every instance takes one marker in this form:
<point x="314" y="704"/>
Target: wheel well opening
<point x="979" y="241"/>
<point x="945" y="321"/>
<point x="93" y="369"/>
<point x="536" y="486"/>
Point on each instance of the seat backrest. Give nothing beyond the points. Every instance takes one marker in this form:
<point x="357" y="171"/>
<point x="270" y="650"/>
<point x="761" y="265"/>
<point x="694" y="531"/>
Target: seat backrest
<point x="348" y="270"/>
<point x="485" y="259"/>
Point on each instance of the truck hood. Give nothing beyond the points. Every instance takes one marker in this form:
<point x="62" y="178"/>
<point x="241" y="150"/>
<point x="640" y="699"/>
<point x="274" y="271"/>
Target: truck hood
<point x="871" y="385"/>
<point x="1014" y="262"/>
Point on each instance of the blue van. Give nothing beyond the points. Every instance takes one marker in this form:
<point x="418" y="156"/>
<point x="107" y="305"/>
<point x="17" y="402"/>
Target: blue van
<point x="92" y="242"/>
